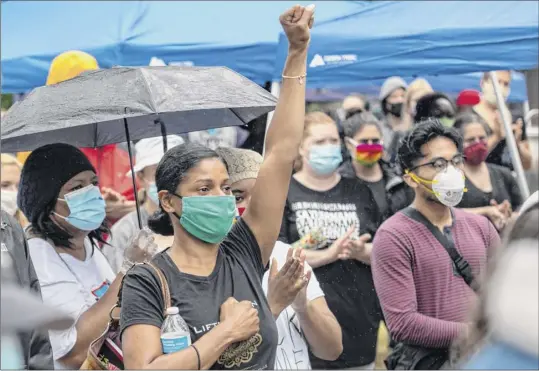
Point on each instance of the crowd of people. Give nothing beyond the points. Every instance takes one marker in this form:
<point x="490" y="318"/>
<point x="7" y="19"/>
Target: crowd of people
<point x="291" y="260"/>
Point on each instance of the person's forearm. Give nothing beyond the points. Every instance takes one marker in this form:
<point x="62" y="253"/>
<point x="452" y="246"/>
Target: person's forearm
<point x="275" y="304"/>
<point x="210" y="347"/>
<point x="268" y="197"/>
<point x="92" y="324"/>
<point x="275" y="309"/>
<point x="319" y="258"/>
<point x="321" y="329"/>
<point x="286" y="127"/>
<point x="478" y="210"/>
<point x="526" y="157"/>
<point x="418" y="329"/>
<point x="492" y="141"/>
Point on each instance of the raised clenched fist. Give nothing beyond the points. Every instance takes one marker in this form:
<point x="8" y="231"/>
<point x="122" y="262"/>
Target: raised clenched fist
<point x="297" y="22"/>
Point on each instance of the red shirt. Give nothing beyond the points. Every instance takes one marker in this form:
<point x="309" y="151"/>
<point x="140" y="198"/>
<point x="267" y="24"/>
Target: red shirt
<point x="111" y="164"/>
<point x="424" y="302"/>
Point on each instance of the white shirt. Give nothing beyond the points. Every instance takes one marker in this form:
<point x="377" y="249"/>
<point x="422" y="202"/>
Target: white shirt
<point x="69" y="284"/>
<point x="292" y="348"/>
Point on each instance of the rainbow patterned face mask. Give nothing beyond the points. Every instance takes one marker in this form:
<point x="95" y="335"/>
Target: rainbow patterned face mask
<point x="367" y="154"/>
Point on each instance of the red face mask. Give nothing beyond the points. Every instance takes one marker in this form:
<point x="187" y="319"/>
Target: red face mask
<point x="369" y="154"/>
<point x="476" y="153"/>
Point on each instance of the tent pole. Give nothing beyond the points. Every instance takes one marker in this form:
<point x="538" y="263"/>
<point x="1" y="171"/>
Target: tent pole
<point x="128" y="139"/>
<point x="275" y="90"/>
<point x="510" y="138"/>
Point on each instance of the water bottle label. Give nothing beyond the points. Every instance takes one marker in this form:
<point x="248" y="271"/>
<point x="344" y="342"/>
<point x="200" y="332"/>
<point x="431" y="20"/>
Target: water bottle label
<point x="171" y="345"/>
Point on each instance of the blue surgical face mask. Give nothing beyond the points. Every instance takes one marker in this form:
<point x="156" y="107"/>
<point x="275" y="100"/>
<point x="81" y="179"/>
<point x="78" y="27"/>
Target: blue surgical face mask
<point x="86" y="208"/>
<point x="152" y="193"/>
<point x="11" y="353"/>
<point x="325" y="159"/>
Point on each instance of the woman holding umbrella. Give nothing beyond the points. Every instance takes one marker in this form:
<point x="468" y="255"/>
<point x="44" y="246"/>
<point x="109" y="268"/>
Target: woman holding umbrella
<point x="214" y="269"/>
<point x="59" y="195"/>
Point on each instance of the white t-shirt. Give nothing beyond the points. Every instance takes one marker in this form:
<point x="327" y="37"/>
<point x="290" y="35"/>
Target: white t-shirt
<point x="60" y="288"/>
<point x="292" y="348"/>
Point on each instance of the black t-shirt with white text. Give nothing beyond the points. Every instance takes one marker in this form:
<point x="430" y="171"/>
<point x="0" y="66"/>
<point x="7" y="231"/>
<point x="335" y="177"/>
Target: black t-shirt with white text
<point x="347" y="284"/>
<point x="238" y="273"/>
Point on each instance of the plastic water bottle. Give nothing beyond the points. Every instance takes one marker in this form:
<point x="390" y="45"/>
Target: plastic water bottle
<point x="175" y="334"/>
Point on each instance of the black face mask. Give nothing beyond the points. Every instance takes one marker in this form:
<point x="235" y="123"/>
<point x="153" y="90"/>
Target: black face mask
<point x="395" y="109"/>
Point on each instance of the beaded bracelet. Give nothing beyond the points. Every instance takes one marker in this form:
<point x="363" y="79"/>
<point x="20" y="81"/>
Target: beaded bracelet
<point x="300" y="78"/>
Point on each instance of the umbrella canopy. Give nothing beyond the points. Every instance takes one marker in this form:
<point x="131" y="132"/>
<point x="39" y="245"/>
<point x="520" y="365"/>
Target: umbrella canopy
<point x="241" y="35"/>
<point x="409" y="38"/>
<point x="89" y="110"/>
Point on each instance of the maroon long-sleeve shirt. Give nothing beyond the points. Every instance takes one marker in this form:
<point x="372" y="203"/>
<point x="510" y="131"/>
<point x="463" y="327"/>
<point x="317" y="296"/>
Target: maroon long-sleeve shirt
<point x="424" y="302"/>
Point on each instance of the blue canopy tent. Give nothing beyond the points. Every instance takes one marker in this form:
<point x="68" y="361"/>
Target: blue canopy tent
<point x="241" y="35"/>
<point x="410" y="38"/>
<point x="449" y="84"/>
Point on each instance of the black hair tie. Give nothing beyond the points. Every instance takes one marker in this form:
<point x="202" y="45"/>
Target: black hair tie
<point x="198" y="355"/>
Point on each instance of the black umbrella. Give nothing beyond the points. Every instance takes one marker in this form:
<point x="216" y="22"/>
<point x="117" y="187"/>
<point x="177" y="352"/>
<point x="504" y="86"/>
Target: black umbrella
<point x="126" y="103"/>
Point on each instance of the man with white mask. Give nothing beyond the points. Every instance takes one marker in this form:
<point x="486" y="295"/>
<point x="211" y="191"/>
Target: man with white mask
<point x="488" y="110"/>
<point x="148" y="153"/>
<point x="426" y="257"/>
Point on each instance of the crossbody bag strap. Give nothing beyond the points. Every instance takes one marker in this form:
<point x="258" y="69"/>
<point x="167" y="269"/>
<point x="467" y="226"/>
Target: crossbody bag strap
<point x="162" y="281"/>
<point x="164" y="285"/>
<point x="462" y="266"/>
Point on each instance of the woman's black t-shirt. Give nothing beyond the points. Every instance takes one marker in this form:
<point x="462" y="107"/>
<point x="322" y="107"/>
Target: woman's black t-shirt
<point x="347" y="284"/>
<point x="238" y="272"/>
<point x="504" y="187"/>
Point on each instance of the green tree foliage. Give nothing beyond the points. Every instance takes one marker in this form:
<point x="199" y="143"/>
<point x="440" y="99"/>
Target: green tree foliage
<point x="7" y="101"/>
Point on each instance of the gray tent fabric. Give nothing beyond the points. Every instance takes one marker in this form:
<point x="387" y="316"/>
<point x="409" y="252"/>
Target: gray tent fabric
<point x="88" y="110"/>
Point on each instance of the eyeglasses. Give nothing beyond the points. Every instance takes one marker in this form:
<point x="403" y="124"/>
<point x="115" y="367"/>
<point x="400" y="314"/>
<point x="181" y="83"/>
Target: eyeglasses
<point x="440" y="164"/>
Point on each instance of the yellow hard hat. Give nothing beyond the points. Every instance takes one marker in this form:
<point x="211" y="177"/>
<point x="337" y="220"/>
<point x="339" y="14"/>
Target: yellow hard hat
<point x="69" y="65"/>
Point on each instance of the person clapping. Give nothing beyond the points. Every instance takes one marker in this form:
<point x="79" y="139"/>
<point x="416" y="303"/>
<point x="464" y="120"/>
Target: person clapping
<point x="295" y="297"/>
